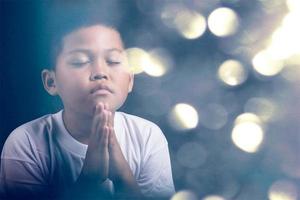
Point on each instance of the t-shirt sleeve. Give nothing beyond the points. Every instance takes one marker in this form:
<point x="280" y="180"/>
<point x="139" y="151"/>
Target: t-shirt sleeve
<point x="20" y="174"/>
<point x="155" y="178"/>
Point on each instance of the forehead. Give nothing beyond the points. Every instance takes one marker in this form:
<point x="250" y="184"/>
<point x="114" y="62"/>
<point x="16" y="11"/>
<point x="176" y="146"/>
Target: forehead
<point x="95" y="38"/>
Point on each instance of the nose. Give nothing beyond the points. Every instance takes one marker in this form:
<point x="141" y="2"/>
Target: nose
<point x="99" y="70"/>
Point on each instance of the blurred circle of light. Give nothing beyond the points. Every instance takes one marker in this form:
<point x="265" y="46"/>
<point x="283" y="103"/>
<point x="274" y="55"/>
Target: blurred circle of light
<point x="232" y="73"/>
<point x="183" y="117"/>
<point x="283" y="190"/>
<point x="138" y="59"/>
<point x="159" y="63"/>
<point x="169" y="13"/>
<point x="184" y="195"/>
<point x="262" y="107"/>
<point x="190" y="24"/>
<point x="293" y="5"/>
<point x="247" y="117"/>
<point x="286" y="38"/>
<point x="247" y="133"/>
<point x="291" y="72"/>
<point x="266" y="65"/>
<point x="223" y="22"/>
<point x="213" y="197"/>
<point x="191" y="155"/>
<point x="214" y="116"/>
<point x="282" y="46"/>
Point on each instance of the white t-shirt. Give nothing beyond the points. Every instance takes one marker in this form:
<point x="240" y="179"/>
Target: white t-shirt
<point x="42" y="156"/>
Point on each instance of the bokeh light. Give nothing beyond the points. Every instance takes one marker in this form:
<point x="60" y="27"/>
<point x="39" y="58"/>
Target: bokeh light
<point x="159" y="64"/>
<point x="213" y="197"/>
<point x="138" y="59"/>
<point x="264" y="108"/>
<point x="190" y="24"/>
<point x="283" y="45"/>
<point x="293" y="5"/>
<point x="248" y="63"/>
<point x="232" y="72"/>
<point x="223" y="22"/>
<point x="154" y="63"/>
<point x="169" y="13"/>
<point x="267" y="65"/>
<point x="192" y="155"/>
<point x="247" y="133"/>
<point x="183" y="117"/>
<point x="214" y="116"/>
<point x="184" y="195"/>
<point x="283" y="190"/>
<point x="291" y="72"/>
<point x="247" y="117"/>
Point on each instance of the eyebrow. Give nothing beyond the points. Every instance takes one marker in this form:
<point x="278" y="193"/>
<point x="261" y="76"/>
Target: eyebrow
<point x="87" y="51"/>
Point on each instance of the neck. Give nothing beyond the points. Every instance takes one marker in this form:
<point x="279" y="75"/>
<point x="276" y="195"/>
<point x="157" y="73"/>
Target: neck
<point x="78" y="126"/>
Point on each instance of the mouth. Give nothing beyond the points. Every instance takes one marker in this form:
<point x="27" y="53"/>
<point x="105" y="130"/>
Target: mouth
<point x="101" y="90"/>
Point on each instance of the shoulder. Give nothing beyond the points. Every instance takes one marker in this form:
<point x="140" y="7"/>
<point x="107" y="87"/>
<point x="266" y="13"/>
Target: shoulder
<point x="136" y="120"/>
<point x="139" y="123"/>
<point x="36" y="127"/>
<point x="148" y="131"/>
<point x="28" y="135"/>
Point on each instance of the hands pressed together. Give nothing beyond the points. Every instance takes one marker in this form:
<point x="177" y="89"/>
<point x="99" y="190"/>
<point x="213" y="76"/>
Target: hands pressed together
<point x="104" y="157"/>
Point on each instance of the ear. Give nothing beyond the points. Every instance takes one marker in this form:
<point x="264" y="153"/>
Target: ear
<point x="49" y="81"/>
<point x="131" y="81"/>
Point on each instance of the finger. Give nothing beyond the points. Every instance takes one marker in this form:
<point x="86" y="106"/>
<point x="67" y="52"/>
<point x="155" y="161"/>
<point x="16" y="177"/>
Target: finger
<point x="99" y="122"/>
<point x="106" y="114"/>
<point x="112" y="118"/>
<point x="111" y="141"/>
<point x="104" y="138"/>
<point x="109" y="119"/>
<point x="97" y="116"/>
<point x="109" y="115"/>
<point x="97" y="107"/>
<point x="106" y="106"/>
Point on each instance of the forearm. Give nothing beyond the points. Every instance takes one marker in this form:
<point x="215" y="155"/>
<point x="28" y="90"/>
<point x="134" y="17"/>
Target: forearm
<point x="126" y="187"/>
<point x="87" y="188"/>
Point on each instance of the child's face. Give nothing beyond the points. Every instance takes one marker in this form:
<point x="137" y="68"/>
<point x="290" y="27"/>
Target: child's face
<point x="92" y="67"/>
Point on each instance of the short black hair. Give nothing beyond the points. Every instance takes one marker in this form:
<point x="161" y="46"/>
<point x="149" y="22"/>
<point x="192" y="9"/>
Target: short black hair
<point x="65" y="17"/>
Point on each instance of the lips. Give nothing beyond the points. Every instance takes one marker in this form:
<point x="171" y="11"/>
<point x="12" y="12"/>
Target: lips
<point x="101" y="89"/>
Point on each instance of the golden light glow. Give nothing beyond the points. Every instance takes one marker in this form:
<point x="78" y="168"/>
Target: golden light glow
<point x="169" y="13"/>
<point x="184" y="195"/>
<point x="159" y="63"/>
<point x="184" y="116"/>
<point x="265" y="64"/>
<point x="190" y="24"/>
<point x="232" y="73"/>
<point x="284" y="43"/>
<point x="283" y="190"/>
<point x="138" y="59"/>
<point x="247" y="133"/>
<point x="285" y="39"/>
<point x="293" y="5"/>
<point x="264" y="108"/>
<point x="223" y="22"/>
<point x="213" y="197"/>
<point x="292" y="71"/>
<point x="247" y="117"/>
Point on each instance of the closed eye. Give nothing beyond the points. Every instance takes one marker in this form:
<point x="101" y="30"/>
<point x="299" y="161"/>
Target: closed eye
<point x="79" y="64"/>
<point x="113" y="62"/>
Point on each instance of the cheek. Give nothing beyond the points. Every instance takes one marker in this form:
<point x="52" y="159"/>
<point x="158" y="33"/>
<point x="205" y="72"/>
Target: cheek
<point x="124" y="83"/>
<point x="71" y="85"/>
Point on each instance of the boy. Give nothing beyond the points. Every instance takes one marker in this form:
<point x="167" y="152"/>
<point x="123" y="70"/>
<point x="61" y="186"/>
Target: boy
<point x="87" y="150"/>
